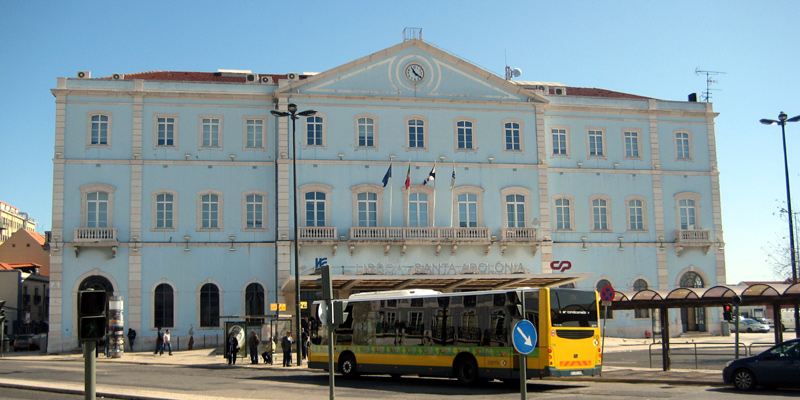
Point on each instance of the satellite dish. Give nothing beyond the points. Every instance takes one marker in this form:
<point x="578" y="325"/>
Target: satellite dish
<point x="516" y="72"/>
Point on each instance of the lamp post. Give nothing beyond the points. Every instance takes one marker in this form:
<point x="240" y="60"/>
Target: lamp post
<point x="782" y="120"/>
<point x="294" y="116"/>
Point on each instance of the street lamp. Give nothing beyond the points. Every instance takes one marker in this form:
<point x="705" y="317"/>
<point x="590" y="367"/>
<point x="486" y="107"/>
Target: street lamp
<point x="782" y="120"/>
<point x="294" y="116"/>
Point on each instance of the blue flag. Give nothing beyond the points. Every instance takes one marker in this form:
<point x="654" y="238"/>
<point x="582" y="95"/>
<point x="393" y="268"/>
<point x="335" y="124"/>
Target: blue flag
<point x="387" y="176"/>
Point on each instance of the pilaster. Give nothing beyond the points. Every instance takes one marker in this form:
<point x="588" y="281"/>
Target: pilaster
<point x="57" y="240"/>
<point x="544" y="234"/>
<point x="658" y="198"/>
<point x="716" y="204"/>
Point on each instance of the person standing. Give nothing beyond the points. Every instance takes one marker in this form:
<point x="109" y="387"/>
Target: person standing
<point x="305" y="341"/>
<point x="131" y="337"/>
<point x="252" y="347"/>
<point x="233" y="348"/>
<point x="286" y="346"/>
<point x="269" y="348"/>
<point x="167" y="343"/>
<point x="159" y="342"/>
<point x="191" y="337"/>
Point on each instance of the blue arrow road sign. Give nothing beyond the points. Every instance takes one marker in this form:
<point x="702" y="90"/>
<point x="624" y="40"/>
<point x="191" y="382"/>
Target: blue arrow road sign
<point x="524" y="337"/>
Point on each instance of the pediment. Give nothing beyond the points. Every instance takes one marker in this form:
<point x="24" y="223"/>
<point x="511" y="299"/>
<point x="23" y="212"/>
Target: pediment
<point x="412" y="69"/>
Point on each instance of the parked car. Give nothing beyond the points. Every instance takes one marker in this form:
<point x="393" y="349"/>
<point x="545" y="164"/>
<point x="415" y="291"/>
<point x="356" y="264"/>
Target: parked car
<point x="25" y="342"/>
<point x="777" y="367"/>
<point x="765" y="321"/>
<point x="787" y="319"/>
<point x="750" y="325"/>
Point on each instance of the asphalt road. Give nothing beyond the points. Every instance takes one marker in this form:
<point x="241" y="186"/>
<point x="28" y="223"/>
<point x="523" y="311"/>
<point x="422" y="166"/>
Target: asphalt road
<point x="218" y="380"/>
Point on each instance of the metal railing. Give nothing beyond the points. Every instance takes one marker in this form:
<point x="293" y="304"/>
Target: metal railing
<point x="95" y="235"/>
<point x="696" y="349"/>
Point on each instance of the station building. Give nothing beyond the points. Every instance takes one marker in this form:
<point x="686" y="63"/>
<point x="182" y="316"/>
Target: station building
<point x="174" y="190"/>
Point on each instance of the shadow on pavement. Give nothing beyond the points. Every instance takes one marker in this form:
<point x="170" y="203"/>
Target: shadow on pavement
<point x="414" y="385"/>
<point x="760" y="392"/>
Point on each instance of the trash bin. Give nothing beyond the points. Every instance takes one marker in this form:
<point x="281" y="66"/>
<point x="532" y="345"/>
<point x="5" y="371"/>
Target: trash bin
<point x="726" y="328"/>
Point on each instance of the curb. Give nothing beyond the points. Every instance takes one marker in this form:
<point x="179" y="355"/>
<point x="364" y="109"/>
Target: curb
<point x="79" y="392"/>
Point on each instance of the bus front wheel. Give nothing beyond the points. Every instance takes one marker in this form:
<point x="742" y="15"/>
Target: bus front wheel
<point x="466" y="370"/>
<point x="347" y="365"/>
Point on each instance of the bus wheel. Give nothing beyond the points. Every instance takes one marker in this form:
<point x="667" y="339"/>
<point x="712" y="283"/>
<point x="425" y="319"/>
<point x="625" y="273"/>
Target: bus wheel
<point x="347" y="365"/>
<point x="466" y="370"/>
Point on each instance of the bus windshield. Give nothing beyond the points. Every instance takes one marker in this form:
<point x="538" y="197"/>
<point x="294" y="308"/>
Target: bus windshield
<point x="570" y="307"/>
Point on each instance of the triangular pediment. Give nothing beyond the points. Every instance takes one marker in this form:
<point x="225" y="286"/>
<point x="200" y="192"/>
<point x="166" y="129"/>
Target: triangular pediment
<point x="412" y="69"/>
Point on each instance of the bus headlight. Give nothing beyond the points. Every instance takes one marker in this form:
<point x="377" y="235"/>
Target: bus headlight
<point x="596" y="343"/>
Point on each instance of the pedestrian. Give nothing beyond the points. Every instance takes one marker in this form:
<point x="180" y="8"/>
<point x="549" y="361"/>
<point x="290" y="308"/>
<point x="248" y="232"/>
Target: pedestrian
<point x="191" y="337"/>
<point x="269" y="348"/>
<point x="159" y="342"/>
<point x="286" y="346"/>
<point x="252" y="344"/>
<point x="232" y="349"/>
<point x="304" y="342"/>
<point x="167" y="343"/>
<point x="131" y="337"/>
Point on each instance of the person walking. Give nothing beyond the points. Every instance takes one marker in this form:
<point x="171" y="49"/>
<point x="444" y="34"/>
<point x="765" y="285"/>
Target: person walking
<point x="252" y="347"/>
<point x="269" y="348"/>
<point x="232" y="349"/>
<point x="305" y="341"/>
<point x="286" y="346"/>
<point x="159" y="342"/>
<point x="131" y="337"/>
<point x="167" y="342"/>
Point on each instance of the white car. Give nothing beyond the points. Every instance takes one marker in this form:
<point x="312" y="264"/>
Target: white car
<point x="750" y="325"/>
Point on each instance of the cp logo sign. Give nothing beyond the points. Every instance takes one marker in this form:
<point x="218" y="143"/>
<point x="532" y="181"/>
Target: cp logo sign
<point x="560" y="265"/>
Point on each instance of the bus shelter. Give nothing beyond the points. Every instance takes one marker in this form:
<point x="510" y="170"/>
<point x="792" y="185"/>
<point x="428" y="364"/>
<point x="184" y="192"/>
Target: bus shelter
<point x="774" y="295"/>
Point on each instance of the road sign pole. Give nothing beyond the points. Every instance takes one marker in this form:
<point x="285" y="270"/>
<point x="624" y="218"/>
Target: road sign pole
<point x="603" y="340"/>
<point x="332" y="385"/>
<point x="89" y="375"/>
<point x="523" y="364"/>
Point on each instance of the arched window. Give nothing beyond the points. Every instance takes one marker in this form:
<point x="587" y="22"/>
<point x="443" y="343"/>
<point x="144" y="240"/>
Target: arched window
<point x="640" y="284"/>
<point x="600" y="284"/>
<point x="254" y="301"/>
<point x="691" y="280"/>
<point x="693" y="319"/>
<point x="209" y="305"/>
<point x="163" y="307"/>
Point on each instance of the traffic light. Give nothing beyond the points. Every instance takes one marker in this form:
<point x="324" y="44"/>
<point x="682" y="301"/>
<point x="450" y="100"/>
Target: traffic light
<point x="92" y="305"/>
<point x="2" y="311"/>
<point x="727" y="312"/>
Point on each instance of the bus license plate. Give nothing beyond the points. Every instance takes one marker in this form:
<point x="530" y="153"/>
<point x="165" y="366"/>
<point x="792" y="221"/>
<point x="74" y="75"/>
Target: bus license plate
<point x="576" y="373"/>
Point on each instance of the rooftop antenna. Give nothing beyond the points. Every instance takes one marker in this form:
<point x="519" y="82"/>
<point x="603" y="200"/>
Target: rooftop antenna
<point x="709" y="82"/>
<point x="511" y="72"/>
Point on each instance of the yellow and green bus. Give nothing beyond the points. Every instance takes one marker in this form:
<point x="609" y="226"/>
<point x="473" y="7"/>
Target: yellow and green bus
<point x="465" y="335"/>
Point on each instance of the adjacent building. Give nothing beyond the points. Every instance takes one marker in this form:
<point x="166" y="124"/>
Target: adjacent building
<point x="174" y="190"/>
<point x="12" y="220"/>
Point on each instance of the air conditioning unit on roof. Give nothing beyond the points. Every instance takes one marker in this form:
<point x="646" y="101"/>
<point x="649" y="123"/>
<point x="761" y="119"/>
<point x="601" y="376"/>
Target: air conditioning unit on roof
<point x="117" y="77"/>
<point x="84" y="74"/>
<point x="265" y="79"/>
<point x="293" y="76"/>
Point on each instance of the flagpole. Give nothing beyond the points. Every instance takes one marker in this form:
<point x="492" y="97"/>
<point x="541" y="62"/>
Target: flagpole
<point x="452" y="194"/>
<point x="434" y="197"/>
<point x="390" y="204"/>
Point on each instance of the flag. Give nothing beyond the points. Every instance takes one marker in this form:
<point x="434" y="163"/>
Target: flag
<point x="453" y="178"/>
<point x="431" y="175"/>
<point x="408" y="177"/>
<point x="387" y="176"/>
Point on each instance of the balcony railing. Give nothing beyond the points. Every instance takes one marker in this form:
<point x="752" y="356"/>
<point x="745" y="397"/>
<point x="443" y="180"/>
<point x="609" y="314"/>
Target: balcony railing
<point x="518" y="234"/>
<point x="317" y="233"/>
<point x="384" y="233"/>
<point x="692" y="236"/>
<point x="95" y="235"/>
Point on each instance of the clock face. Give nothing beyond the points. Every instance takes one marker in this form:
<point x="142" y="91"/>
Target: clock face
<point x="415" y="72"/>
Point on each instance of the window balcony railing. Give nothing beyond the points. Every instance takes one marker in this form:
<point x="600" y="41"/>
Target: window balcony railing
<point x="317" y="233"/>
<point x="96" y="235"/>
<point x="692" y="236"/>
<point x="518" y="234"/>
<point x="385" y="233"/>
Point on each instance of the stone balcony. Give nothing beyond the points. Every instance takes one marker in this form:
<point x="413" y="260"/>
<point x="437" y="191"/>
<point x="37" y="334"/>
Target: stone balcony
<point x="692" y="238"/>
<point x="518" y="236"/>
<point x="95" y="237"/>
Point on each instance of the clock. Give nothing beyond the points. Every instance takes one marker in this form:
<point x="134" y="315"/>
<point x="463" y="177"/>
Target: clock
<point x="415" y="72"/>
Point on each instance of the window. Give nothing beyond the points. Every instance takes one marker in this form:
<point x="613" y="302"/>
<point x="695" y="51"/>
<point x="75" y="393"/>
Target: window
<point x="99" y="130"/>
<point x="163" y="307"/>
<point x="686" y="213"/>
<point x="97" y="210"/>
<point x="636" y="215"/>
<point x="638" y="285"/>
<point x="418" y="209"/>
<point x="254" y="207"/>
<point x="563" y="214"/>
<point x="515" y="210"/>
<point x="559" y="142"/>
<point x="609" y="312"/>
<point x="209" y="218"/>
<point x="165" y="127"/>
<point x="631" y="144"/>
<point x="254" y="129"/>
<point x="315" y="208"/>
<point x="314" y="131"/>
<point x="682" y="146"/>
<point x="367" y="209"/>
<point x="416" y="133"/>
<point x="596" y="143"/>
<point x="467" y="210"/>
<point x="464" y="135"/>
<point x="209" y="305"/>
<point x="254" y="301"/>
<point x="600" y="214"/>
<point x="164" y="211"/>
<point x="366" y="132"/>
<point x="210" y="128"/>
<point x="511" y="130"/>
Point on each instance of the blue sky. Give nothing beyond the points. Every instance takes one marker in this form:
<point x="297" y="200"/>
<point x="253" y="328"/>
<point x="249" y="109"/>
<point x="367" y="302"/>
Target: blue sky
<point x="646" y="48"/>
